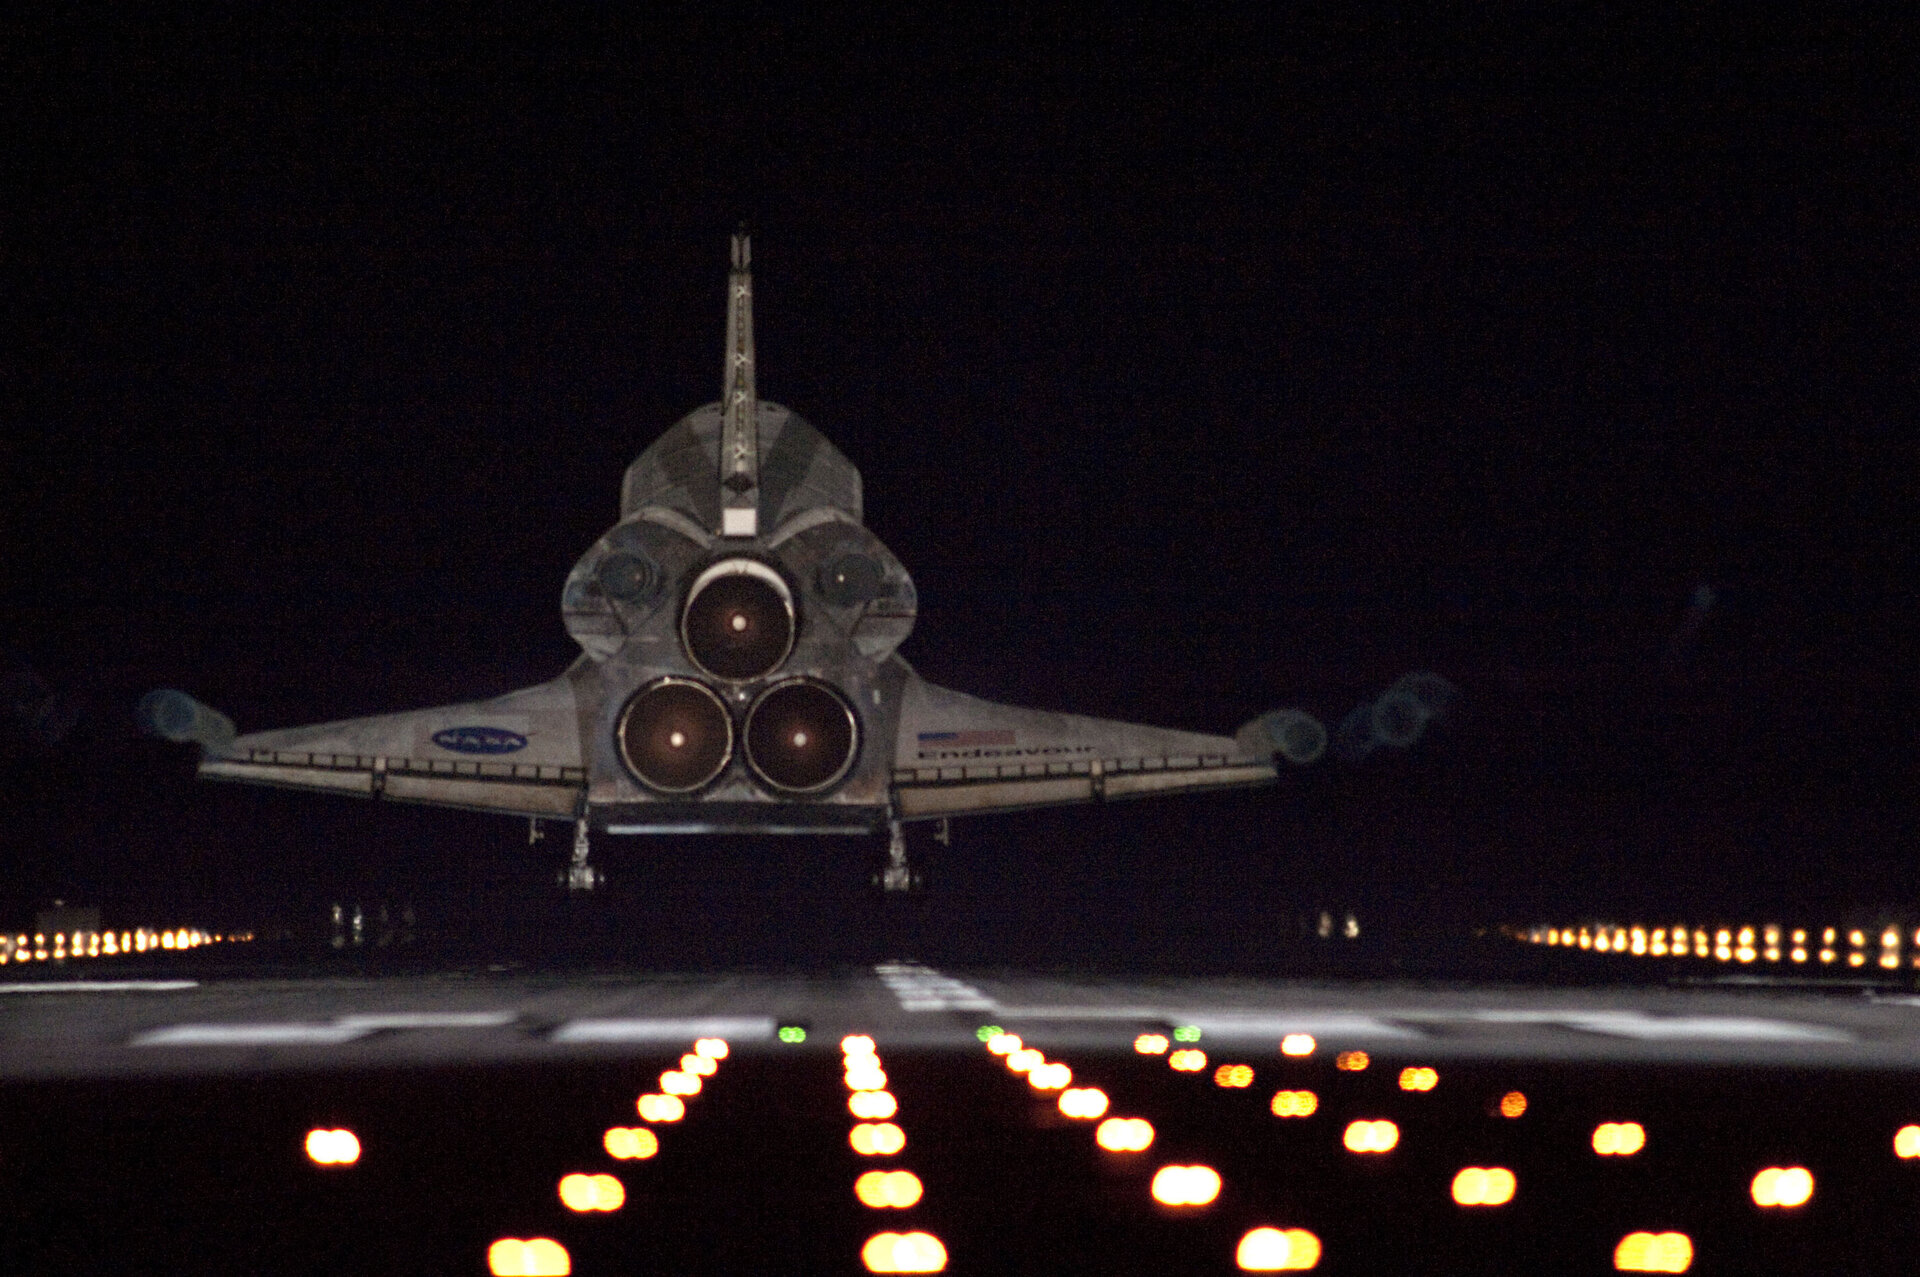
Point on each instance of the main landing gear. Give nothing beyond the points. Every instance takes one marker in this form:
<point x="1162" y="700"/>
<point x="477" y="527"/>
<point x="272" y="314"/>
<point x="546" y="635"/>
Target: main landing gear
<point x="579" y="875"/>
<point x="898" y="875"/>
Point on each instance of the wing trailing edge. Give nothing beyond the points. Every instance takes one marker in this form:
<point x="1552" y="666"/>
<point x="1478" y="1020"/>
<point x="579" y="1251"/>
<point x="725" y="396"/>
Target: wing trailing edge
<point x="517" y="754"/>
<point x="959" y="755"/>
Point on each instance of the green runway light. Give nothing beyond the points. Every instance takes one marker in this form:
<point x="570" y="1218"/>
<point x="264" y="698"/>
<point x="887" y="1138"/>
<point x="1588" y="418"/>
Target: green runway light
<point x="986" y="1031"/>
<point x="1187" y="1033"/>
<point x="792" y="1033"/>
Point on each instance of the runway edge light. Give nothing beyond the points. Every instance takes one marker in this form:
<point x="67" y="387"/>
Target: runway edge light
<point x="528" y="1257"/>
<point x="1642" y="1252"/>
<point x="904" y="1253"/>
<point x="1271" y="1250"/>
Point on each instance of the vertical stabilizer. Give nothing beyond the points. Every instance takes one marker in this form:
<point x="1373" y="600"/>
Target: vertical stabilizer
<point x="740" y="405"/>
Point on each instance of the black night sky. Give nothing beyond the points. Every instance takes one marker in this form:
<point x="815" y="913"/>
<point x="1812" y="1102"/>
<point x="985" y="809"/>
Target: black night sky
<point x="1195" y="365"/>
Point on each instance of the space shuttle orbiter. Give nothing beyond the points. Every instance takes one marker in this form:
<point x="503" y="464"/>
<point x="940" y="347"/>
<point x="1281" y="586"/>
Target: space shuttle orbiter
<point x="739" y="674"/>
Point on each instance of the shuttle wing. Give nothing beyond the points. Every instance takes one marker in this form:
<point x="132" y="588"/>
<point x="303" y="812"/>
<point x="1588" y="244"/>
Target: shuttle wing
<point x="958" y="755"/>
<point x="517" y="754"/>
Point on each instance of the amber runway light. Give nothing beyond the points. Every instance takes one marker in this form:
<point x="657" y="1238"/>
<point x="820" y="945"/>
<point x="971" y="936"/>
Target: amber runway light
<point x="1124" y="1134"/>
<point x="1272" y="1250"/>
<point x="1654" y="1253"/>
<point x="584" y="1193"/>
<point x="1619" y="1139"/>
<point x="1379" y="1136"/>
<point x="528" y="1257"/>
<point x="1295" y="1103"/>
<point x="895" y="1190"/>
<point x="1483" y="1186"/>
<point x="1783" y="1187"/>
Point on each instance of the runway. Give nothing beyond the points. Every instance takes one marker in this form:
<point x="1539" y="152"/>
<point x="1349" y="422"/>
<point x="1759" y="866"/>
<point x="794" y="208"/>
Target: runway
<point x="804" y="1122"/>
<point x="175" y="1023"/>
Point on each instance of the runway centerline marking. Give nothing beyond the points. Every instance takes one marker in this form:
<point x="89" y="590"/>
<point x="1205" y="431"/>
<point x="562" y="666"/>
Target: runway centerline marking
<point x="921" y="988"/>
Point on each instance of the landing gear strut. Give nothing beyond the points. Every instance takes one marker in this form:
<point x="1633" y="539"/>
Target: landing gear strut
<point x="897" y="876"/>
<point x="579" y="875"/>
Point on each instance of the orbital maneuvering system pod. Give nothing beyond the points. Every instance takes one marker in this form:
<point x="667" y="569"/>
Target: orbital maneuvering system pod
<point x="738" y="674"/>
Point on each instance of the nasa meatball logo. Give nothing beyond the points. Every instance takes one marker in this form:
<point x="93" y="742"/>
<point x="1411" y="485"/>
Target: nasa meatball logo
<point x="479" y="740"/>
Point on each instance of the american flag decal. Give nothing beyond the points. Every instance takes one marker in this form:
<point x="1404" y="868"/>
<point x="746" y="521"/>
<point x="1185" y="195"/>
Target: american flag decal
<point x="955" y="739"/>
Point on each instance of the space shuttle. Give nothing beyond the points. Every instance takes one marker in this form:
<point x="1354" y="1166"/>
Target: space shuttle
<point x="739" y="629"/>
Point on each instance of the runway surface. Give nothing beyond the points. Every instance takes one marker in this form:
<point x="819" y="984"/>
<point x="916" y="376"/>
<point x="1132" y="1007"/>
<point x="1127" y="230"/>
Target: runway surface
<point x="504" y="1121"/>
<point x="172" y="1023"/>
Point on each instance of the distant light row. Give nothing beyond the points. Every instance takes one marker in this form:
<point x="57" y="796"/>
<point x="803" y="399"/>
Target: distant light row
<point x="63" y="945"/>
<point x="1888" y="949"/>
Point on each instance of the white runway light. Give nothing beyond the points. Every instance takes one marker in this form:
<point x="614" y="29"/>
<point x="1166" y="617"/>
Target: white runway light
<point x="333" y="1147"/>
<point x="1377" y="1136"/>
<point x="1083" y="1102"/>
<point x="1186" y="1185"/>
<point x="1124" y="1134"/>
<point x="872" y="1105"/>
<point x="1783" y="1187"/>
<point x="914" y="1252"/>
<point x="1270" y="1250"/>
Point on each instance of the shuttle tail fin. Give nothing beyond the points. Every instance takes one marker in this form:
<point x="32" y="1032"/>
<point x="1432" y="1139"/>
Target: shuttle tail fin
<point x="740" y="405"/>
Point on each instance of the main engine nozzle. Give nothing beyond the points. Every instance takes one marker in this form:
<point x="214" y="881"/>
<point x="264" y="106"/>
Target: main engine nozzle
<point x="802" y="737"/>
<point x="675" y="735"/>
<point x="739" y="620"/>
<point x="174" y="715"/>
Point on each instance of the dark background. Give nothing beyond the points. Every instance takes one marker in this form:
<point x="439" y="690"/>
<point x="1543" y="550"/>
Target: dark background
<point x="1195" y="365"/>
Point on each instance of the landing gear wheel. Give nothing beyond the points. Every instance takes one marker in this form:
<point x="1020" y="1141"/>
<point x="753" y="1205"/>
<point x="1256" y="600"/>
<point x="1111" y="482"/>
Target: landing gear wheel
<point x="579" y="875"/>
<point x="898" y="875"/>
